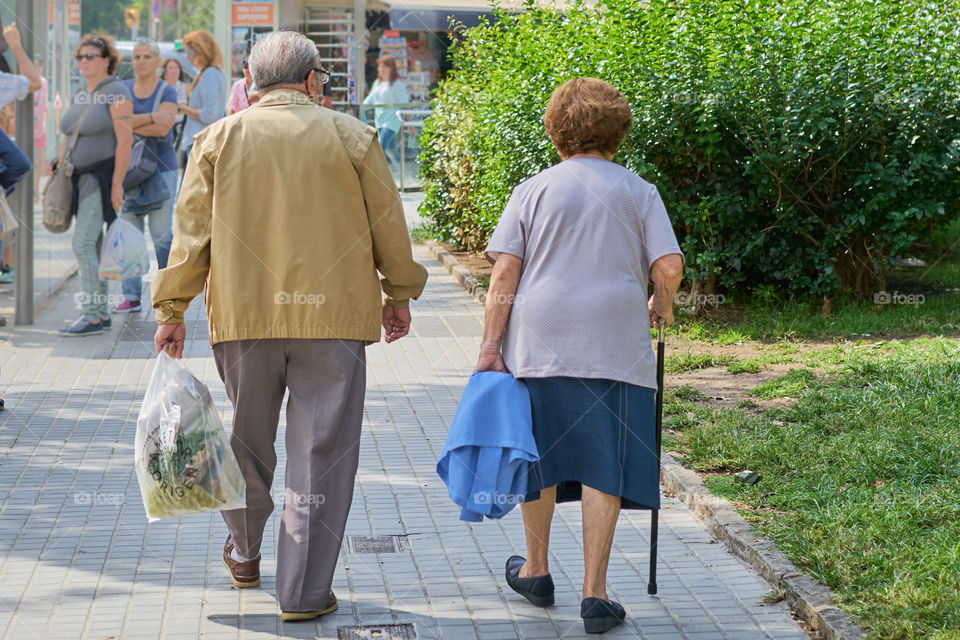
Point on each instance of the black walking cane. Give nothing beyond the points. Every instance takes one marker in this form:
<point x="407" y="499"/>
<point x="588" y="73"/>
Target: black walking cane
<point x="655" y="513"/>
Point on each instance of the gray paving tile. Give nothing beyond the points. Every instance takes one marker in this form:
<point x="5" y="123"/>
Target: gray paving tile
<point x="77" y="554"/>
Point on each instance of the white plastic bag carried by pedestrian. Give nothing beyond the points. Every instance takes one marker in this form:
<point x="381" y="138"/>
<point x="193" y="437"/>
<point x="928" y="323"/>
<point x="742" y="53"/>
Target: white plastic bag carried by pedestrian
<point x="183" y="458"/>
<point x="124" y="253"/>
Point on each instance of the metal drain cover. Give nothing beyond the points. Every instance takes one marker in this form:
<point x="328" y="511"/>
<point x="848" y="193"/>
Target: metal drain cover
<point x="375" y="544"/>
<point x="377" y="632"/>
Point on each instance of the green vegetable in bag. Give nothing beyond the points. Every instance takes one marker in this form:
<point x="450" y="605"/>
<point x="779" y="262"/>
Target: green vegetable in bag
<point x="183" y="458"/>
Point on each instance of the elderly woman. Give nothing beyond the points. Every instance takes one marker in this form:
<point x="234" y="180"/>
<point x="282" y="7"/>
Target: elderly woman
<point x="154" y="112"/>
<point x="208" y="93"/>
<point x="100" y="160"/>
<point x="567" y="312"/>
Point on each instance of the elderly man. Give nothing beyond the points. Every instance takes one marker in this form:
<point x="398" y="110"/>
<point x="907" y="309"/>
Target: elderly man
<point x="286" y="214"/>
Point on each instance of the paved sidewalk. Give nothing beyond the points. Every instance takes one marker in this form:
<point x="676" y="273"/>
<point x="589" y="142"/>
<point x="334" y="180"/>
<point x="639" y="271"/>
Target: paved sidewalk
<point x="78" y="560"/>
<point x="53" y="263"/>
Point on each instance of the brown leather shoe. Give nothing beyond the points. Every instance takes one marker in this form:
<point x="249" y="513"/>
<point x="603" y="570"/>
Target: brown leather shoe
<point x="295" y="616"/>
<point x="242" y="574"/>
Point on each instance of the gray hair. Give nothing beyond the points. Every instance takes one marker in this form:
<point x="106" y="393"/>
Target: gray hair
<point x="282" y="57"/>
<point x="149" y="43"/>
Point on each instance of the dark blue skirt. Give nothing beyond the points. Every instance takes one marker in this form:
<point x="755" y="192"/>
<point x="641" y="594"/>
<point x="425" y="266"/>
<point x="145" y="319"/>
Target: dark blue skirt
<point x="598" y="433"/>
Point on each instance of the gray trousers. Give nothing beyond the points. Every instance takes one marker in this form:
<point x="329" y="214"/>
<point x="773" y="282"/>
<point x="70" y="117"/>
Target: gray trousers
<point x="87" y="237"/>
<point x="326" y="380"/>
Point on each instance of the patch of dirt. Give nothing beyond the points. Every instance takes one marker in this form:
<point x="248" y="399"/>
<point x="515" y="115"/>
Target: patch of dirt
<point x="724" y="390"/>
<point x="472" y="261"/>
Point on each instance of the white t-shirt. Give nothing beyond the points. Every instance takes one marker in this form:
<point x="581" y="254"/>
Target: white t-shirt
<point x="588" y="231"/>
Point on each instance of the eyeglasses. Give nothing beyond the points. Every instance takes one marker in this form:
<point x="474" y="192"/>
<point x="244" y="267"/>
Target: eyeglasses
<point x="89" y="56"/>
<point x="322" y="75"/>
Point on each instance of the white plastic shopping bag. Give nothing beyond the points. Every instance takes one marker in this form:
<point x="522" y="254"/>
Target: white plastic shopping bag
<point x="124" y="254"/>
<point x="183" y="458"/>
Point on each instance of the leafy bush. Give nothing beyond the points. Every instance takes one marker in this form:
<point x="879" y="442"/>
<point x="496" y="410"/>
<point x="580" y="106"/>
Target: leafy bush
<point x="798" y="144"/>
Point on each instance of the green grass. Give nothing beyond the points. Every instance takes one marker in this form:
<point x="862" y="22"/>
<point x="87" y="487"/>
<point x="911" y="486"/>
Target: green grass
<point x="693" y="361"/>
<point x="789" y="385"/>
<point x="941" y="274"/>
<point x="421" y="233"/>
<point x="860" y="478"/>
<point x="757" y="363"/>
<point x="796" y="320"/>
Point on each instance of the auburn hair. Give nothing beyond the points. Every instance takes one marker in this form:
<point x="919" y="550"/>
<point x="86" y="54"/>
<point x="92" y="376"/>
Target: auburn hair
<point x="202" y="43"/>
<point x="587" y="114"/>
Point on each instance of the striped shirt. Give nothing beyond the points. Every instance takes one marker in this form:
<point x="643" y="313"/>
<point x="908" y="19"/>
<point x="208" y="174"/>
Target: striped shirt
<point x="588" y="231"/>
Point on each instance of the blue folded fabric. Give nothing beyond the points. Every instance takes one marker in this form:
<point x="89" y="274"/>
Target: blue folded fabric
<point x="146" y="197"/>
<point x="489" y="448"/>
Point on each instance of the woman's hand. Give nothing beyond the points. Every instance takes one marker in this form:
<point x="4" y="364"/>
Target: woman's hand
<point x="164" y="118"/>
<point x="659" y="313"/>
<point x="489" y="361"/>
<point x="116" y="196"/>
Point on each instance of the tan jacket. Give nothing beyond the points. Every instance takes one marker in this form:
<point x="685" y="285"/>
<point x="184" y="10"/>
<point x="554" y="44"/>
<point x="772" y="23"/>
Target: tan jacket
<point x="286" y="214"/>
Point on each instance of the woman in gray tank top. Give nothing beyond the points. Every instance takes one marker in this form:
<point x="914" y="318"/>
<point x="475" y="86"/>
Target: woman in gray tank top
<point x="100" y="159"/>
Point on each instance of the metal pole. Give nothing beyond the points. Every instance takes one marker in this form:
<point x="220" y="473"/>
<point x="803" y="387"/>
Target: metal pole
<point x="402" y="154"/>
<point x="222" y="32"/>
<point x="23" y="287"/>
<point x="360" y="49"/>
<point x="655" y="513"/>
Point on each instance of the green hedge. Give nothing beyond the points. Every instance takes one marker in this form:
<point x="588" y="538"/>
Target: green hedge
<point x="795" y="143"/>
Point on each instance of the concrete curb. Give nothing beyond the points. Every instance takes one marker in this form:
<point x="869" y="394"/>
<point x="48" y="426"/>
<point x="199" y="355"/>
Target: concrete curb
<point x="459" y="273"/>
<point x="812" y="601"/>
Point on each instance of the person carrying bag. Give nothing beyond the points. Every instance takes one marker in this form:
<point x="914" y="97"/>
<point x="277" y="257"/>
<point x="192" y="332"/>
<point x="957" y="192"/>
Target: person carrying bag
<point x="143" y="157"/>
<point x="149" y="204"/>
<point x="98" y="164"/>
<point x="58" y="194"/>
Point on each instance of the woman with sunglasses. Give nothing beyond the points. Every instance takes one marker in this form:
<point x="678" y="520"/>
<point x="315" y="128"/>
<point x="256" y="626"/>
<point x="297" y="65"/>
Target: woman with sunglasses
<point x="208" y="93"/>
<point x="100" y="160"/>
<point x="154" y="112"/>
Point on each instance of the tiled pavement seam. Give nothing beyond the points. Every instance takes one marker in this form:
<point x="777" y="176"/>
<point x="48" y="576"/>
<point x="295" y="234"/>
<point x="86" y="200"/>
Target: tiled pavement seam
<point x="78" y="560"/>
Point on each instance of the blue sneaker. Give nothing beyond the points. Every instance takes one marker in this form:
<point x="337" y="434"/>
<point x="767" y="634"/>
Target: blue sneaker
<point x="82" y="327"/>
<point x="106" y="322"/>
<point x="6" y="276"/>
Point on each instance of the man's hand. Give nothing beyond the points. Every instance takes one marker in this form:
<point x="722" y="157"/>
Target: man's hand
<point x="489" y="361"/>
<point x="396" y="322"/>
<point x="12" y="35"/>
<point x="170" y="338"/>
<point x="660" y="313"/>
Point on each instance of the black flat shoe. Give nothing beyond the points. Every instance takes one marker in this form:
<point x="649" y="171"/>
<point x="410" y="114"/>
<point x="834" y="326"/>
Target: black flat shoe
<point x="538" y="590"/>
<point x="601" y="615"/>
